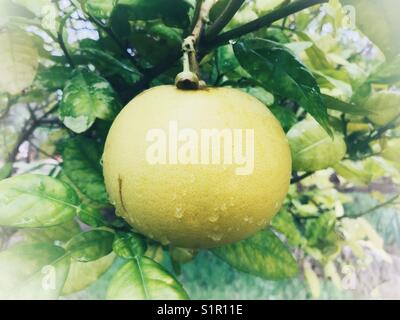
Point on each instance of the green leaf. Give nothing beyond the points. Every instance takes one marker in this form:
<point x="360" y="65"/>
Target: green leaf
<point x="316" y="56"/>
<point x="173" y="13"/>
<point x="6" y="170"/>
<point x="87" y="96"/>
<point x="312" y="280"/>
<point x="92" y="216"/>
<point x="281" y="73"/>
<point x="387" y="73"/>
<point x="361" y="172"/>
<point x="263" y="255"/>
<point x="318" y="230"/>
<point x="35" y="6"/>
<point x="168" y="41"/>
<point x="144" y="279"/>
<point x="90" y="245"/>
<point x="286" y="116"/>
<point x="3" y="104"/>
<point x="312" y="149"/>
<point x="284" y="223"/>
<point x="228" y="64"/>
<point x="19" y="61"/>
<point x="383" y="107"/>
<point x="100" y="9"/>
<point x="31" y="201"/>
<point x="129" y="245"/>
<point x="345" y="107"/>
<point x="81" y="163"/>
<point x="62" y="232"/>
<point x="386" y="33"/>
<point x="83" y="274"/>
<point x="261" y="94"/>
<point x="33" y="271"/>
<point x="217" y="9"/>
<point x="10" y="11"/>
<point x="90" y="212"/>
<point x="53" y="77"/>
<point x="110" y="64"/>
<point x="391" y="150"/>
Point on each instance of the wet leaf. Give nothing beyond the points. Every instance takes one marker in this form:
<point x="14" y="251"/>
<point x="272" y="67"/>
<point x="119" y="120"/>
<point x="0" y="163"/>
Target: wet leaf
<point x="263" y="255"/>
<point x="29" y="201"/>
<point x="281" y="73"/>
<point x="144" y="279"/>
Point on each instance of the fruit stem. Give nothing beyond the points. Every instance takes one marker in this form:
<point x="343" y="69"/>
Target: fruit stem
<point x="189" y="78"/>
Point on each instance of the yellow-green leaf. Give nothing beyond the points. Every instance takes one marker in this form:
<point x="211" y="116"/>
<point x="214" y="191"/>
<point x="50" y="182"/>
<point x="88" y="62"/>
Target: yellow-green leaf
<point x="312" y="148"/>
<point x="144" y="279"/>
<point x="18" y="61"/>
<point x="31" y="201"/>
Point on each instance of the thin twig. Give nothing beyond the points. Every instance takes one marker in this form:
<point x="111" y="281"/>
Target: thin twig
<point x="266" y="20"/>
<point x="300" y="178"/>
<point x="61" y="42"/>
<point x="381" y="205"/>
<point x="227" y="14"/>
<point x="43" y="151"/>
<point x="196" y="15"/>
<point x="263" y="21"/>
<point x="25" y="134"/>
<point x="114" y="37"/>
<point x="202" y="19"/>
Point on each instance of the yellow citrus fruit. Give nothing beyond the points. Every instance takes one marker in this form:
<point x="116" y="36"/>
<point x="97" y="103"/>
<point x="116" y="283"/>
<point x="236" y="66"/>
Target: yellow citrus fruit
<point x="192" y="198"/>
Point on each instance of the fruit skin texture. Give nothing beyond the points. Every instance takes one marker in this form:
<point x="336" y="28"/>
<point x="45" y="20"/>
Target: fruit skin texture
<point x="195" y="205"/>
<point x="384" y="107"/>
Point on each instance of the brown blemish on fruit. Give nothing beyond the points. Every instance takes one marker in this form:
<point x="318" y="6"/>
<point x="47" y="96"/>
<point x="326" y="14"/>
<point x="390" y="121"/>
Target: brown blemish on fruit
<point x="120" y="193"/>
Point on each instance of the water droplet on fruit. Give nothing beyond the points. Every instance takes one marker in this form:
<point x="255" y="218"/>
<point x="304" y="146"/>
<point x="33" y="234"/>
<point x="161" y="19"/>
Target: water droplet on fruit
<point x="213" y="217"/>
<point x="192" y="178"/>
<point x="246" y="219"/>
<point x="179" y="213"/>
<point x="223" y="207"/>
<point x="101" y="161"/>
<point x="174" y="196"/>
<point x="262" y="222"/>
<point x="277" y="204"/>
<point x="215" y="236"/>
